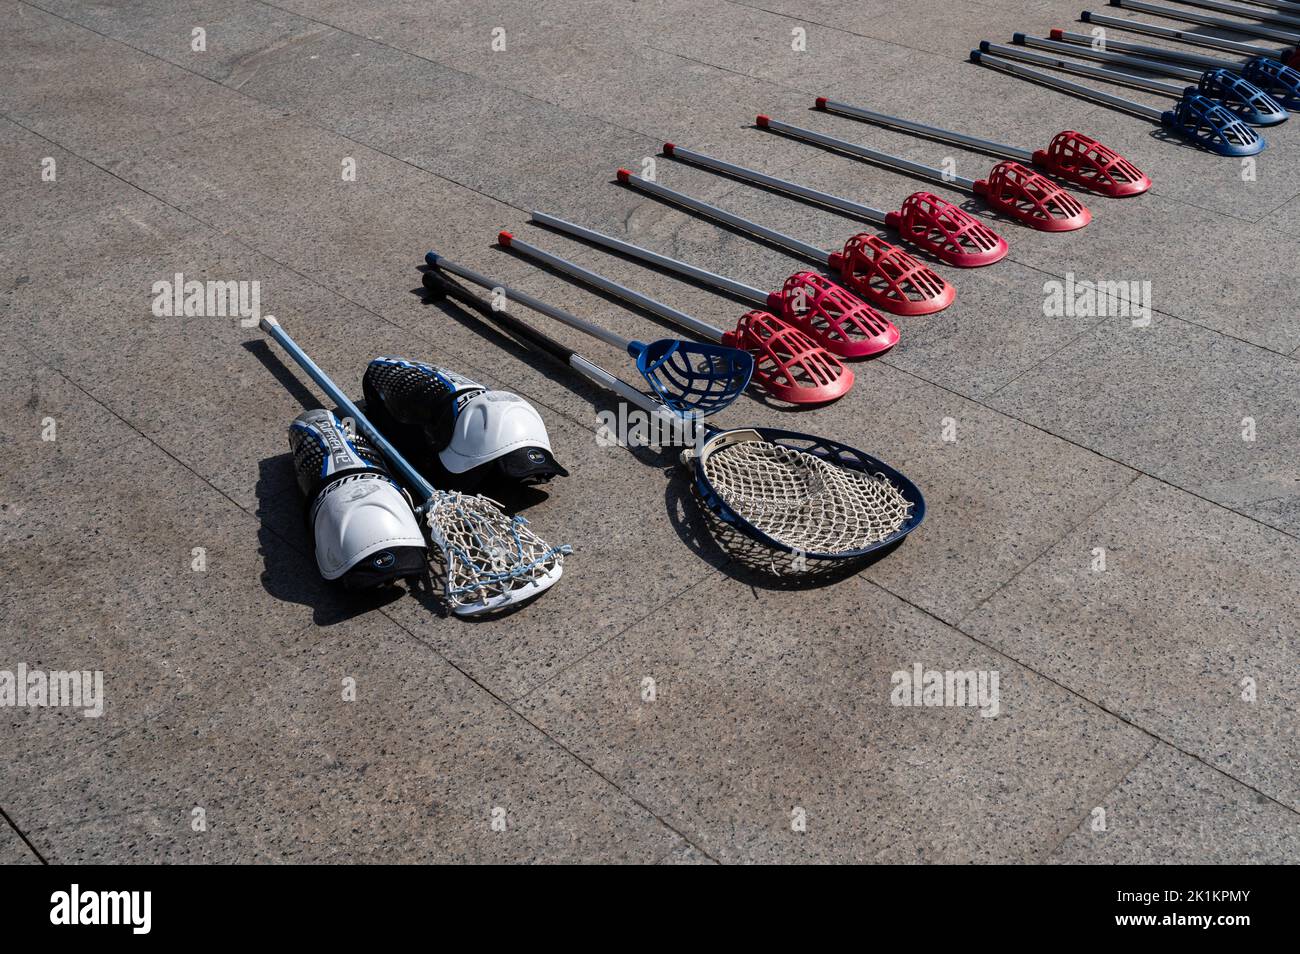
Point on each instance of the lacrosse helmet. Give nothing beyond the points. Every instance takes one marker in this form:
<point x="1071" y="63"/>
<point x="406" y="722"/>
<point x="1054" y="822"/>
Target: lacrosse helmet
<point x="364" y="529"/>
<point x="458" y="428"/>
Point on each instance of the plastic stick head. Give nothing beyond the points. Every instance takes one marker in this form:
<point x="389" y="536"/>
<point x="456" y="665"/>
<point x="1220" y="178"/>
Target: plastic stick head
<point x="1032" y="199"/>
<point x="1210" y="126"/>
<point x="834" y="317"/>
<point x="1241" y="97"/>
<point x="788" y="364"/>
<point x="693" y="378"/>
<point x="888" y="277"/>
<point x="947" y="232"/>
<point x="1086" y="162"/>
<point x="1275" y="78"/>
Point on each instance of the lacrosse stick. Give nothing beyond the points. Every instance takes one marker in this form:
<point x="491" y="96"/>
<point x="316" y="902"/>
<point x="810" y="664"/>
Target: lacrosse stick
<point x="855" y="263"/>
<point x="1291" y="57"/>
<point x="1195" y="118"/>
<point x="1029" y="197"/>
<point x="687" y="377"/>
<point x="893" y="279"/>
<point x="1070" y="155"/>
<point x="1238" y="96"/>
<point x="798" y="376"/>
<point x="1265" y="68"/>
<point x="492" y="560"/>
<point x="1191" y="16"/>
<point x="1285" y="18"/>
<point x="797" y="493"/>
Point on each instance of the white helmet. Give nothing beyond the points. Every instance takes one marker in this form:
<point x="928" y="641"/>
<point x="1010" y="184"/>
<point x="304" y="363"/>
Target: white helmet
<point x="365" y="531"/>
<point x="442" y="419"/>
<point x="497" y="430"/>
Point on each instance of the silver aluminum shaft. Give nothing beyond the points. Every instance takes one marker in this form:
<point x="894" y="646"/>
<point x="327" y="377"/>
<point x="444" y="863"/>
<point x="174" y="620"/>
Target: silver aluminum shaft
<point x="793" y="188"/>
<point x="1047" y="79"/>
<point x="1119" y="59"/>
<point x="573" y="321"/>
<point x="739" y="289"/>
<point x="1237" y="10"/>
<point x="1191" y="16"/>
<point x="933" y="132"/>
<point x="1086" y="69"/>
<point x="620" y="291"/>
<point x="1181" y="36"/>
<point x="872" y="155"/>
<point x="730" y="218"/>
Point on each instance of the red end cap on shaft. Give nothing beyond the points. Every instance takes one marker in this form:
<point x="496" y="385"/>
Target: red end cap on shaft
<point x="762" y="121"/>
<point x="668" y="148"/>
<point x="821" y="102"/>
<point x="504" y="238"/>
<point x="624" y="175"/>
<point x="1056" y="34"/>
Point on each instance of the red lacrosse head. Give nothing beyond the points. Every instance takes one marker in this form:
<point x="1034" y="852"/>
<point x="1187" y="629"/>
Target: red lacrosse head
<point x="1086" y="162"/>
<point x="788" y="364"/>
<point x="887" y="276"/>
<point x="1032" y="198"/>
<point x="947" y="232"/>
<point x="834" y="317"/>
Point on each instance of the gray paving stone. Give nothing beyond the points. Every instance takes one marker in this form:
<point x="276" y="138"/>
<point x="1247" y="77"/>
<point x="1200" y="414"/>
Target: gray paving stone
<point x="783" y="704"/>
<point x="1172" y="400"/>
<point x="1172" y="809"/>
<point x="286" y="770"/>
<point x="13" y="851"/>
<point x="1194" y="605"/>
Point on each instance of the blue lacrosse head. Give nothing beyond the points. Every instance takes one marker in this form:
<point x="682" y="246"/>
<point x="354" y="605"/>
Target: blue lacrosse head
<point x="692" y="378"/>
<point x="1276" y="78"/>
<point x="1210" y="126"/>
<point x="1241" y="97"/>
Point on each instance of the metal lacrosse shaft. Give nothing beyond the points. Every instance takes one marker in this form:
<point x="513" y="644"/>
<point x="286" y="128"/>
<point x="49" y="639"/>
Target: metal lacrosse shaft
<point x="721" y="282"/>
<point x="596" y="331"/>
<point x="1182" y="36"/>
<point x="1055" y="82"/>
<point x="872" y="155"/>
<point x="721" y="215"/>
<point x="620" y="291"/>
<point x="1081" y="45"/>
<point x="934" y="132"/>
<point x="335" y="394"/>
<point x="1085" y="69"/>
<point x="1237" y="10"/>
<point x="875" y="216"/>
<point x="1191" y="16"/>
<point x="588" y="369"/>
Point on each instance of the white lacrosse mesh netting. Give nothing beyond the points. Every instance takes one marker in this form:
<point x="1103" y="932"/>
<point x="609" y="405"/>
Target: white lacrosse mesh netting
<point x="803" y="501"/>
<point x="492" y="559"/>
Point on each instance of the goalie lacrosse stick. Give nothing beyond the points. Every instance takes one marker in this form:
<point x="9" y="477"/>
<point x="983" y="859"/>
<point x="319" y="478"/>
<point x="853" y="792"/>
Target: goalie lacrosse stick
<point x="492" y="560"/>
<point x="797" y="493"/>
<point x="893" y="279"/>
<point x="1195" y="118"/>
<point x="688" y="378"/>
<point x="1070" y="155"/>
<point x="1238" y="96"/>
<point x="1191" y="16"/>
<point x="790" y="366"/>
<point x="1271" y="71"/>
<point x="1029" y="197"/>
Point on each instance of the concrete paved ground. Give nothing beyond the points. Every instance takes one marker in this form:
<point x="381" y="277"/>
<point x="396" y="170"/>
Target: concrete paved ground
<point x="1112" y="531"/>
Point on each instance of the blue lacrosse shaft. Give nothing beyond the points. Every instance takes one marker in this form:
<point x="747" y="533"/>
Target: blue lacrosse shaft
<point x="332" y="391"/>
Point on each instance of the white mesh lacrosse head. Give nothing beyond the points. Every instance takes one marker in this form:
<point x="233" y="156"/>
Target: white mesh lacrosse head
<point x="802" y="501"/>
<point x="492" y="560"/>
